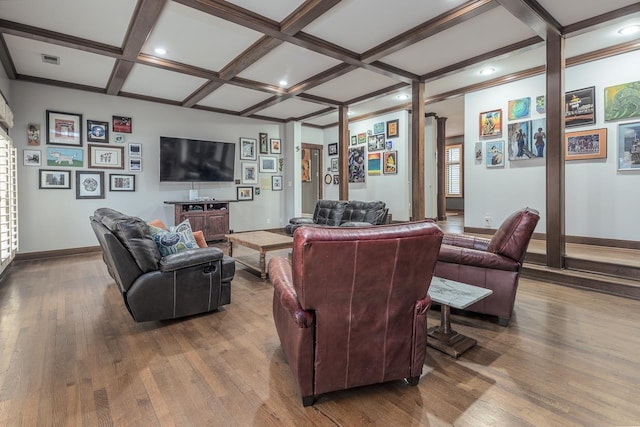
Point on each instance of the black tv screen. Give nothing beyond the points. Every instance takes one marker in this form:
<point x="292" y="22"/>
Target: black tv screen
<point x="183" y="159"/>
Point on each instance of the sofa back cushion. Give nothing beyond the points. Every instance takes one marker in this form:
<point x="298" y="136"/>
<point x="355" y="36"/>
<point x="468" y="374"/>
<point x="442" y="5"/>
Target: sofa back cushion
<point x="371" y="212"/>
<point x="329" y="212"/>
<point x="512" y="238"/>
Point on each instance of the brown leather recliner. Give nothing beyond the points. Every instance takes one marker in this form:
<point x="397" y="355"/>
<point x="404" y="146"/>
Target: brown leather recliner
<point x="350" y="308"/>
<point x="490" y="263"/>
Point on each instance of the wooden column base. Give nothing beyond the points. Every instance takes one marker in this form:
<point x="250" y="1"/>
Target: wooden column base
<point x="452" y="343"/>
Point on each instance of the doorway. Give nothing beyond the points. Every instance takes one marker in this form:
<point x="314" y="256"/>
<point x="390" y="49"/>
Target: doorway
<point x="311" y="176"/>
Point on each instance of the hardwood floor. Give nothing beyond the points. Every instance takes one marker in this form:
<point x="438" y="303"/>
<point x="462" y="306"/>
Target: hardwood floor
<point x="70" y="354"/>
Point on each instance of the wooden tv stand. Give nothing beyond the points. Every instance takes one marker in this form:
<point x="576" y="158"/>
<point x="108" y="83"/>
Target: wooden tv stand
<point x="211" y="216"/>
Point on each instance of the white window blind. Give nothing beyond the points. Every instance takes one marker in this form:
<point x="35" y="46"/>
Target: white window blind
<point x="8" y="201"/>
<point x="453" y="170"/>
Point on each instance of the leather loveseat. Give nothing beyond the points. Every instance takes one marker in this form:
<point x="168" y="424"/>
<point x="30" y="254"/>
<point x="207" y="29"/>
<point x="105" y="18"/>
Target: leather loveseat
<point x="342" y="213"/>
<point x="155" y="287"/>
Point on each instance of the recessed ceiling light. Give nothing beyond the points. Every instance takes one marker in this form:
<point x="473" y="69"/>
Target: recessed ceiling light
<point x="160" y="51"/>
<point x="487" y="71"/>
<point x="631" y="29"/>
<point x="350" y="113"/>
<point x="402" y="96"/>
<point x="283" y="83"/>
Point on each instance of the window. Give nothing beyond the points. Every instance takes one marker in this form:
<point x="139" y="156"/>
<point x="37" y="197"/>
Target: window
<point x="8" y="201"/>
<point x="453" y="170"/>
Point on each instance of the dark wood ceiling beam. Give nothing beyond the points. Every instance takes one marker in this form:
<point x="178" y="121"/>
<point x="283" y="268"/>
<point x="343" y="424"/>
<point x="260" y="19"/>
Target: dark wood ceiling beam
<point x="533" y="15"/>
<point x="434" y="26"/>
<point x="119" y="74"/>
<point x="178" y="67"/>
<point x="249" y="57"/>
<point x="308" y="12"/>
<point x="618" y="49"/>
<point x="59" y="83"/>
<point x="375" y="94"/>
<point x="596" y="21"/>
<point x="320" y="78"/>
<point x="320" y="100"/>
<point x="264" y="104"/>
<point x="201" y="93"/>
<point x="316" y="114"/>
<point x="5" y="59"/>
<point x="149" y="98"/>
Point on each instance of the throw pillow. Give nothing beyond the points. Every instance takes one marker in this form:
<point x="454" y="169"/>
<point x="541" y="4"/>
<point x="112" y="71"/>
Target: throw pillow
<point x="158" y="223"/>
<point x="199" y="236"/>
<point x="177" y="239"/>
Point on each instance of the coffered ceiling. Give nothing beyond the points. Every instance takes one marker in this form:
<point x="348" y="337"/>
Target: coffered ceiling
<point x="300" y="60"/>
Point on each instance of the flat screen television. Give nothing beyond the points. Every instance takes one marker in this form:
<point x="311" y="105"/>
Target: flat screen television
<point x="195" y="160"/>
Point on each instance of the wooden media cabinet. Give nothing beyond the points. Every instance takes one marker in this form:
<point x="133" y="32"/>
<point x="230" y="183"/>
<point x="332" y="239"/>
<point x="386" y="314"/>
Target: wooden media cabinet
<point x="211" y="216"/>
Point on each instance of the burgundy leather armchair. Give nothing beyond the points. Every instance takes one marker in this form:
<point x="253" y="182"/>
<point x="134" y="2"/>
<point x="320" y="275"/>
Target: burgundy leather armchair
<point x="350" y="308"/>
<point x="490" y="263"/>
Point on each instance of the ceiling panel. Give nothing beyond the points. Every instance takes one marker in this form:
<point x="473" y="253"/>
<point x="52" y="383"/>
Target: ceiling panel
<point x="425" y="56"/>
<point x="602" y="37"/>
<point x="360" y="25"/>
<point x="292" y="107"/>
<point x="291" y="63"/>
<point x="275" y="10"/>
<point x="196" y="38"/>
<point x="76" y="66"/>
<point x="352" y="85"/>
<point x="234" y="98"/>
<point x="151" y="81"/>
<point x="102" y="21"/>
<point x="324" y="120"/>
<point x="571" y="11"/>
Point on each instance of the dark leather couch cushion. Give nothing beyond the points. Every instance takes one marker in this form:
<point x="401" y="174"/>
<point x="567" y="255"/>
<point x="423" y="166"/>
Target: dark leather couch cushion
<point x="329" y="212"/>
<point x="472" y="257"/>
<point x="371" y="212"/>
<point x="512" y="238"/>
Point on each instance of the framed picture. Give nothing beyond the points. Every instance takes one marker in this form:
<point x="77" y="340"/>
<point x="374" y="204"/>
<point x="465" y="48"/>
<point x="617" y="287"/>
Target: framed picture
<point x="89" y="185"/>
<point x="135" y="149"/>
<point x="494" y="154"/>
<point x="629" y="146"/>
<point x="32" y="157"/>
<point x="245" y="193"/>
<point x="249" y="173"/>
<point x="393" y="130"/>
<point x="327" y="178"/>
<point x="390" y="162"/>
<point x="268" y="164"/>
<point x="58" y="156"/>
<point x="248" y="149"/>
<point x="585" y="145"/>
<point x="121" y="124"/>
<point x="580" y="107"/>
<point x="335" y="164"/>
<point x="333" y="149"/>
<point x="119" y="138"/>
<point x="336" y="179"/>
<point x="64" y="128"/>
<point x="378" y="127"/>
<point x="119" y="182"/>
<point x="264" y="143"/>
<point x="276" y="183"/>
<point x="621" y="101"/>
<point x="354" y="140"/>
<point x="97" y="131"/>
<point x="477" y="157"/>
<point x="135" y="165"/>
<point x="491" y="124"/>
<point x="362" y="138"/>
<point x="356" y="164"/>
<point x="541" y="105"/>
<point x="103" y="157"/>
<point x="33" y="134"/>
<point x="52" y="179"/>
<point x="519" y="108"/>
<point x="373" y="163"/>
<point x="276" y="146"/>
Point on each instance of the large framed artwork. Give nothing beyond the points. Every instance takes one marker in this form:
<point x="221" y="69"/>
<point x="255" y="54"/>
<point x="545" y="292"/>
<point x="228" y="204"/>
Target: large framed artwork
<point x="373" y="163"/>
<point x="622" y="101"/>
<point x="59" y="156"/>
<point x="64" y="128"/>
<point x="585" y="144"/>
<point x="491" y="124"/>
<point x="268" y="164"/>
<point x="89" y="185"/>
<point x="580" y="107"/>
<point x="494" y="154"/>
<point x="629" y="146"/>
<point x="356" y="164"/>
<point x="527" y="140"/>
<point x="248" y="149"/>
<point x="393" y="128"/>
<point x="122" y="124"/>
<point x="106" y="157"/>
<point x="519" y="108"/>
<point x="55" y="179"/>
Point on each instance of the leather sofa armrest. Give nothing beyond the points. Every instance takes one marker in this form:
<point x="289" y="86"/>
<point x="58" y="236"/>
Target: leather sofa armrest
<point x="301" y="220"/>
<point x="465" y="241"/>
<point x="476" y="258"/>
<point x="190" y="258"/>
<point x="281" y="277"/>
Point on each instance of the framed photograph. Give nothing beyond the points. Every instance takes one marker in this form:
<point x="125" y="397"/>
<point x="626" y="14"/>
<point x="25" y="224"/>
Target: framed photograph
<point x="97" y="131"/>
<point x="580" y="107"/>
<point x="58" y="156"/>
<point x="119" y="182"/>
<point x="121" y="124"/>
<point x="32" y="157"/>
<point x="33" y="134"/>
<point x="135" y="149"/>
<point x="378" y="127"/>
<point x="276" y="146"/>
<point x="264" y="143"/>
<point x="103" y="157"/>
<point x="64" y="128"/>
<point x="245" y="193"/>
<point x="333" y="149"/>
<point x="52" y="179"/>
<point x="586" y="144"/>
<point x="249" y="173"/>
<point x="390" y="162"/>
<point x="248" y="149"/>
<point x="494" y="154"/>
<point x="629" y="146"/>
<point x="354" y="140"/>
<point x="491" y="124"/>
<point x="362" y="138"/>
<point x="335" y="164"/>
<point x="477" y="157"/>
<point x="519" y="108"/>
<point x="276" y="183"/>
<point x="393" y="130"/>
<point x="89" y="185"/>
<point x="621" y="101"/>
<point x="119" y="138"/>
<point x="541" y="105"/>
<point x="135" y="165"/>
<point x="268" y="164"/>
<point x="336" y="179"/>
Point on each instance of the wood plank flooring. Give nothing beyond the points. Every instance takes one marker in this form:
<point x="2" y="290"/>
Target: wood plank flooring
<point x="70" y="354"/>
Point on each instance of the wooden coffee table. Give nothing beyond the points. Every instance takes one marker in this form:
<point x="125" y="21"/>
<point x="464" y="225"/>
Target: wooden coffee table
<point x="449" y="293"/>
<point x="262" y="241"/>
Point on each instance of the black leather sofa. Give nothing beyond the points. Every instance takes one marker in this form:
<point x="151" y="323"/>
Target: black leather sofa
<point x="341" y="213"/>
<point x="155" y="287"/>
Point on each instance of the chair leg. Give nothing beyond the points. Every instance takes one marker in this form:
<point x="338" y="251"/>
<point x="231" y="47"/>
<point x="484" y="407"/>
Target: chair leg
<point x="307" y="400"/>
<point x="412" y="381"/>
<point x="503" y="321"/>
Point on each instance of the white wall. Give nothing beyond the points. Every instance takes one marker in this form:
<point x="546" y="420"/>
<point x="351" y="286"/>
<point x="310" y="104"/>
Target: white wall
<point x="599" y="198"/>
<point x="54" y="219"/>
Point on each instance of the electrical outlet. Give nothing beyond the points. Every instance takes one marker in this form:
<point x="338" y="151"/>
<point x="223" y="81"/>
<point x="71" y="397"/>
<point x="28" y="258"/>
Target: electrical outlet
<point x="487" y="221"/>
